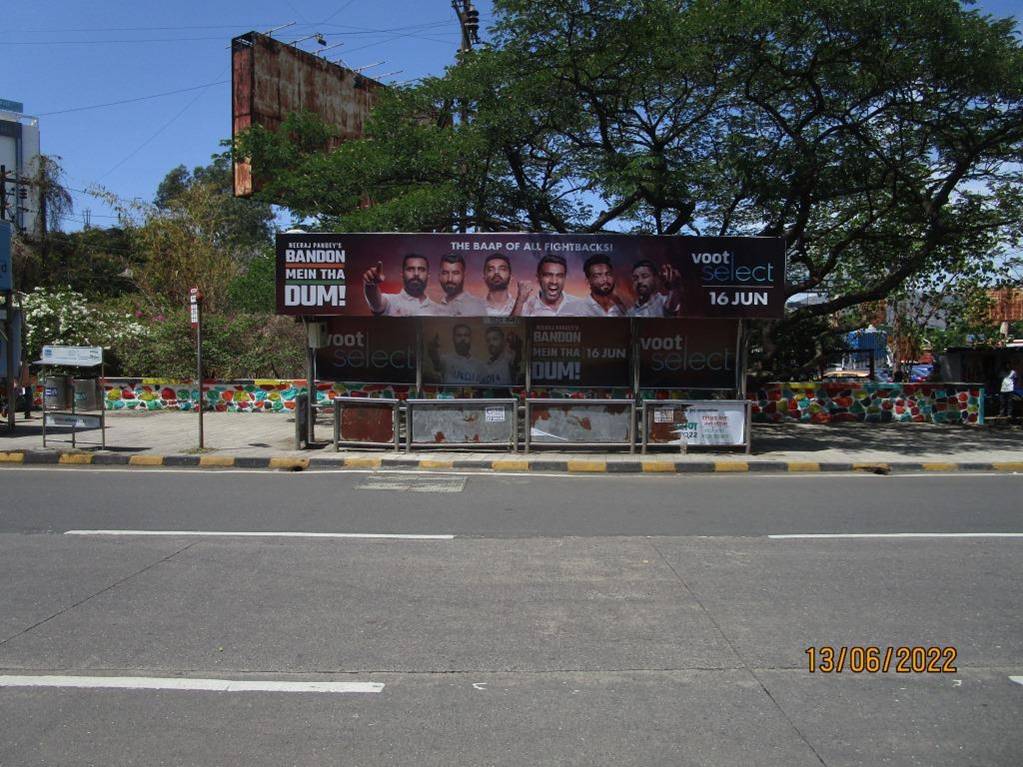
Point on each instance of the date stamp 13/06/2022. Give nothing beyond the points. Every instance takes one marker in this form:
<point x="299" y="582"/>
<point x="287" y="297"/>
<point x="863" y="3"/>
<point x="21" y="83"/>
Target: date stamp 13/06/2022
<point x="874" y="659"/>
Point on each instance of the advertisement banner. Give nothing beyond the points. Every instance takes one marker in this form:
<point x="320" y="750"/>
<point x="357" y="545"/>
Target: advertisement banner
<point x="688" y="354"/>
<point x="705" y="424"/>
<point x="586" y="352"/>
<point x="529" y="275"/>
<point x="475" y="351"/>
<point x="368" y="351"/>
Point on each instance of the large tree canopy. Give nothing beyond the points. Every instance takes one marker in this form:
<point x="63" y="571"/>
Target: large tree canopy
<point x="882" y="140"/>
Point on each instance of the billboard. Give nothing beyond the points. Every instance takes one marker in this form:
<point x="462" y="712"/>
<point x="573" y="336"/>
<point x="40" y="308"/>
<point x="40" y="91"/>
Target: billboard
<point x="474" y="351"/>
<point x="368" y="351"/>
<point x="688" y="354"/>
<point x="270" y="80"/>
<point x="580" y="352"/>
<point x="529" y="275"/>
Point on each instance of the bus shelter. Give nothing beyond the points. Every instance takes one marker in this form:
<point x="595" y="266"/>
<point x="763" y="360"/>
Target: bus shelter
<point x="583" y="334"/>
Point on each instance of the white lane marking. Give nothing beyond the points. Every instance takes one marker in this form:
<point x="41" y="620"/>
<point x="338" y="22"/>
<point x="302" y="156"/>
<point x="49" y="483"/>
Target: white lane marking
<point x="256" y="534"/>
<point x="480" y="686"/>
<point x="895" y="535"/>
<point x="1016" y="679"/>
<point x="414" y="483"/>
<point x="179" y="683"/>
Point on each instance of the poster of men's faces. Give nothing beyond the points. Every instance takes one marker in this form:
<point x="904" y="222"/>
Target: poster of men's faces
<point x="529" y="275"/>
<point x="484" y="352"/>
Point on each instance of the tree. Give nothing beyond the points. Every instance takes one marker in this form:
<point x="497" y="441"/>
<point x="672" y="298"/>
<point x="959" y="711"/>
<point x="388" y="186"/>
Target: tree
<point x="882" y="140"/>
<point x="95" y="262"/>
<point x="195" y="233"/>
<point x="248" y="225"/>
<point x="55" y="200"/>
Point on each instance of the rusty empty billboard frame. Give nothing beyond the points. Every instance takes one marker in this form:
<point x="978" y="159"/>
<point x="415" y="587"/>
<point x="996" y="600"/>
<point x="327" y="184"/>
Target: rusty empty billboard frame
<point x="271" y="79"/>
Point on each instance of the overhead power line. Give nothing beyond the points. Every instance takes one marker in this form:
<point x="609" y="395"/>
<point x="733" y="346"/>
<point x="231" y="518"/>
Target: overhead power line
<point x="161" y="129"/>
<point x="133" y="100"/>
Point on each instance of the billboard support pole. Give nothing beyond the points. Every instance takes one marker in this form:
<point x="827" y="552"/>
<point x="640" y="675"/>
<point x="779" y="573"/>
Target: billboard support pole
<point x="310" y="363"/>
<point x="528" y="351"/>
<point x="740" y="356"/>
<point x="419" y="359"/>
<point x="9" y="352"/>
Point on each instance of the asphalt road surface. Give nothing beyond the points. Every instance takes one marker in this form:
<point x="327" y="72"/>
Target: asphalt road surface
<point x="507" y="620"/>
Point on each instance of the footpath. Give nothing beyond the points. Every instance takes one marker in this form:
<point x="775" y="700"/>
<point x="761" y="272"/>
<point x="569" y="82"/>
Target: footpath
<point x="266" y="441"/>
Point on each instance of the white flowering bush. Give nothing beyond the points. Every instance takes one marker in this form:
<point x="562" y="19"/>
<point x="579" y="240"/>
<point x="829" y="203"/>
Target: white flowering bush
<point x="64" y="317"/>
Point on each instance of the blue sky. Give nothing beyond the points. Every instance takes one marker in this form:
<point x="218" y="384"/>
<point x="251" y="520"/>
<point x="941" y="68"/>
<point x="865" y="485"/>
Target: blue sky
<point x="65" y="54"/>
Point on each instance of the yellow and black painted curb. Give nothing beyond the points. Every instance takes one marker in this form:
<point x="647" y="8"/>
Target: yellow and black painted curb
<point x="643" y="465"/>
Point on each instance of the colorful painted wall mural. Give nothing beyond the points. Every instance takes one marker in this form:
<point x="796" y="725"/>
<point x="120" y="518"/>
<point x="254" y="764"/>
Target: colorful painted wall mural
<point x="951" y="403"/>
<point x="868" y="403"/>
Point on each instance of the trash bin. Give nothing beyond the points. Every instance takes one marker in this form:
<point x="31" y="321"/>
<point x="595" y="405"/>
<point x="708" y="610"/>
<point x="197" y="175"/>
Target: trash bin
<point x="86" y="393"/>
<point x="55" y="393"/>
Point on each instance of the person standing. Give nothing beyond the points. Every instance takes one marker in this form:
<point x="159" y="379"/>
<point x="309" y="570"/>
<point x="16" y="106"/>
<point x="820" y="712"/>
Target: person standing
<point x="1007" y="391"/>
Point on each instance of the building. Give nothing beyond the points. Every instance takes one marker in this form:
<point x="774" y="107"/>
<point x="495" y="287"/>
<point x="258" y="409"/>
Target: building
<point x="19" y="159"/>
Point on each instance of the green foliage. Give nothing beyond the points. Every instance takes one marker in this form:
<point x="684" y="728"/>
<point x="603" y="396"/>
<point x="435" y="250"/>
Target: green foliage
<point x="238" y="346"/>
<point x="65" y="317"/>
<point x="54" y="198"/>
<point x="95" y="262"/>
<point x="254" y="289"/>
<point x="882" y="140"/>
<point x="247" y="225"/>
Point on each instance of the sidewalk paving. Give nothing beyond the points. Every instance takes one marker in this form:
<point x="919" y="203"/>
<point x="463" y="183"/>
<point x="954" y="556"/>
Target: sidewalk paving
<point x="266" y="441"/>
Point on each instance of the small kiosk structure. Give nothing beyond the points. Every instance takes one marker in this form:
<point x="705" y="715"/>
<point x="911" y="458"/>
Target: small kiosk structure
<point x="87" y="410"/>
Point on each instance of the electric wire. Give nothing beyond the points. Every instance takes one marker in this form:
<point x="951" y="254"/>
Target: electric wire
<point x="132" y="100"/>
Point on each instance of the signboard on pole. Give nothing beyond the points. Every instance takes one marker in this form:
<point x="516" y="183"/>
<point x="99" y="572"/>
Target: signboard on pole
<point x="194" y="297"/>
<point x="72" y="356"/>
<point x="529" y="275"/>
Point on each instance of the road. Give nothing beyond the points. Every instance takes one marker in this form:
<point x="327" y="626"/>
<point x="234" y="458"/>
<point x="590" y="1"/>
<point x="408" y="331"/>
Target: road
<point x="616" y="620"/>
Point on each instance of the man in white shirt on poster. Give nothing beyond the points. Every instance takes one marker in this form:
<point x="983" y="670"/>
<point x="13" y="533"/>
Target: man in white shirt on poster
<point x="505" y="358"/>
<point x="551" y="300"/>
<point x="602" y="300"/>
<point x="458" y="368"/>
<point x="650" y="301"/>
<point x="497" y="275"/>
<point x="412" y="300"/>
<point x="456" y="302"/>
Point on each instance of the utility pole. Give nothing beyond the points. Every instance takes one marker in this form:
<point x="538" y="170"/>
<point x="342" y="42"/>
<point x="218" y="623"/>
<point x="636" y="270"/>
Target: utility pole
<point x="3" y="192"/>
<point x="469" y="21"/>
